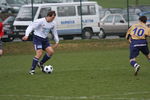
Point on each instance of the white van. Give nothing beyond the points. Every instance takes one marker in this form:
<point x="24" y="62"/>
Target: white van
<point x="68" y="18"/>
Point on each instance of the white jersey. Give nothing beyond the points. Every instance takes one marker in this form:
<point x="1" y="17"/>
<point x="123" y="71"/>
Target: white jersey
<point x="42" y="28"/>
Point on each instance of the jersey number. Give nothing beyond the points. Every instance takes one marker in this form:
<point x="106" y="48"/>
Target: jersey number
<point x="138" y="32"/>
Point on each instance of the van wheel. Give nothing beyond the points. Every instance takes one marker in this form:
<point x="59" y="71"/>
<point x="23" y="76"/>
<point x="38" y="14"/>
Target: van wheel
<point x="68" y="37"/>
<point x="87" y="34"/>
<point x="9" y="11"/>
<point x="101" y="34"/>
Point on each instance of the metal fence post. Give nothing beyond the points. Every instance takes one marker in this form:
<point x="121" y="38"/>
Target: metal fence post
<point x="81" y="15"/>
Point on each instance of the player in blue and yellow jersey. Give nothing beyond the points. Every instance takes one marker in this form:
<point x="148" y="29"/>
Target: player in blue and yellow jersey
<point x="136" y="35"/>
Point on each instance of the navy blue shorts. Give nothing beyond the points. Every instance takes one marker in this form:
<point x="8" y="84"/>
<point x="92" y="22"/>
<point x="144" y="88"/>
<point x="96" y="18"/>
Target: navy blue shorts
<point x="134" y="51"/>
<point x="40" y="43"/>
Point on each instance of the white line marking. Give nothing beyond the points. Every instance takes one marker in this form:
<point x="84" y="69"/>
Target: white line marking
<point x="101" y="97"/>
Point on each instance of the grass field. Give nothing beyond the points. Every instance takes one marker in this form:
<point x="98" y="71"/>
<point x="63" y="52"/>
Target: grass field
<point x="83" y="70"/>
<point x="120" y="3"/>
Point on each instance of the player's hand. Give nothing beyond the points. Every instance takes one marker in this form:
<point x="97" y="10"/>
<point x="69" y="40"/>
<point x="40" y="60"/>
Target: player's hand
<point x="55" y="45"/>
<point x="25" y="38"/>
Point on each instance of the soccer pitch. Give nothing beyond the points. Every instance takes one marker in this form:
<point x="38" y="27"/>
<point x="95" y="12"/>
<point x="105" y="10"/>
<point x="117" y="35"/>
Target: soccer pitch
<point x="88" y="70"/>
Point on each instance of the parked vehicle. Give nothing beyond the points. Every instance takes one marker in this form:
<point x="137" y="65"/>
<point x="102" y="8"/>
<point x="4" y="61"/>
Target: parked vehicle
<point x="69" y="18"/>
<point x="143" y="8"/>
<point x="10" y="6"/>
<point x="103" y="12"/>
<point x="8" y="29"/>
<point x="5" y="9"/>
<point x="132" y="11"/>
<point x="116" y="24"/>
<point x="115" y="10"/>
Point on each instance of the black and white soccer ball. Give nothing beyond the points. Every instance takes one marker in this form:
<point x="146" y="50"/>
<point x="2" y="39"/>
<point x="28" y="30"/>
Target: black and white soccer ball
<point x="48" y="69"/>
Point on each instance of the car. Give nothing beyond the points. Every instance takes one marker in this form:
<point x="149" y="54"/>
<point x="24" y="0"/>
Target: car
<point x="116" y="24"/>
<point x="8" y="29"/>
<point x="116" y="10"/>
<point x="143" y="8"/>
<point x="103" y="12"/>
<point x="131" y="11"/>
<point x="10" y="6"/>
<point x="5" y="9"/>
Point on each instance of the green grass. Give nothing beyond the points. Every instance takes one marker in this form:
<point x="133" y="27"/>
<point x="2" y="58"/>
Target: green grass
<point x="83" y="70"/>
<point x="120" y="3"/>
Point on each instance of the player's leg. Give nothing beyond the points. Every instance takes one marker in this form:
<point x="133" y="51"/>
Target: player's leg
<point x="135" y="65"/>
<point x="134" y="52"/>
<point x="49" y="52"/>
<point x="38" y="49"/>
<point x="148" y="57"/>
<point x="146" y="52"/>
<point x="35" y="60"/>
<point x="1" y="52"/>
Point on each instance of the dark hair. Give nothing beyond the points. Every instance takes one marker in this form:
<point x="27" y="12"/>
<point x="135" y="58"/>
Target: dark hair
<point x="51" y="13"/>
<point x="143" y="19"/>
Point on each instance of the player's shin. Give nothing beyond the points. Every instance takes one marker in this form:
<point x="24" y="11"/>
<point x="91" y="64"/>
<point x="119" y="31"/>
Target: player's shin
<point x="34" y="63"/>
<point x="46" y="57"/>
<point x="133" y="63"/>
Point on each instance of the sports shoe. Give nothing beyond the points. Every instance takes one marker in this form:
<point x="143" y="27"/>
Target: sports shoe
<point x="40" y="66"/>
<point x="31" y="72"/>
<point x="137" y="68"/>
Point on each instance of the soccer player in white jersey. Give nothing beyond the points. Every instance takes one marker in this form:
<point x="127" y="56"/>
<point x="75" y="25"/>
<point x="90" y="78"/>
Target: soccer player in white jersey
<point x="137" y="37"/>
<point x="41" y="28"/>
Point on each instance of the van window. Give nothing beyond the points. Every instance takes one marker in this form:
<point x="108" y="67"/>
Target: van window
<point x="87" y="10"/>
<point x="25" y="14"/>
<point x="66" y="11"/>
<point x="43" y="12"/>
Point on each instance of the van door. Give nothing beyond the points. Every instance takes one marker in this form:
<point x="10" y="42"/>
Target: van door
<point x="90" y="18"/>
<point x="107" y="24"/>
<point x="67" y="21"/>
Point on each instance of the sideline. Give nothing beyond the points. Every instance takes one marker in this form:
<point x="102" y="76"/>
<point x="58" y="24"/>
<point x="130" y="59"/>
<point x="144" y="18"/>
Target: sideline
<point x="100" y="97"/>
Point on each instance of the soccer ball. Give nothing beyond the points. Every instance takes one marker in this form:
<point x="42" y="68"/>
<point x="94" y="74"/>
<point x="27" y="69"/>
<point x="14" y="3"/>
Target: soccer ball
<point x="48" y="69"/>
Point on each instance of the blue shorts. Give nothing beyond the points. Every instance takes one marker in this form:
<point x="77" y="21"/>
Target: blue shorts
<point x="40" y="43"/>
<point x="135" y="48"/>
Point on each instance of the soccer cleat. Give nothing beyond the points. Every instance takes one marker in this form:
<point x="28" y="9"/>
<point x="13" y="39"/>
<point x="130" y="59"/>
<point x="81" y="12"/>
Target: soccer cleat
<point x="31" y="72"/>
<point x="40" y="66"/>
<point x="137" y="68"/>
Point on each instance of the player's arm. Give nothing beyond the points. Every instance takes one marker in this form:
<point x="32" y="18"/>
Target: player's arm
<point x="148" y="31"/>
<point x="128" y="34"/>
<point x="30" y="28"/>
<point x="56" y="38"/>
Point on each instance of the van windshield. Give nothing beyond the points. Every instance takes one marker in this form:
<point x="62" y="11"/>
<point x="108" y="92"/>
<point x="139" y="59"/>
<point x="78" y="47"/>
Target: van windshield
<point x="25" y="14"/>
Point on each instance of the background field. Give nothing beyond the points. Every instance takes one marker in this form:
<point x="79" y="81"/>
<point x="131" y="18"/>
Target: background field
<point x="120" y="3"/>
<point x="83" y="70"/>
